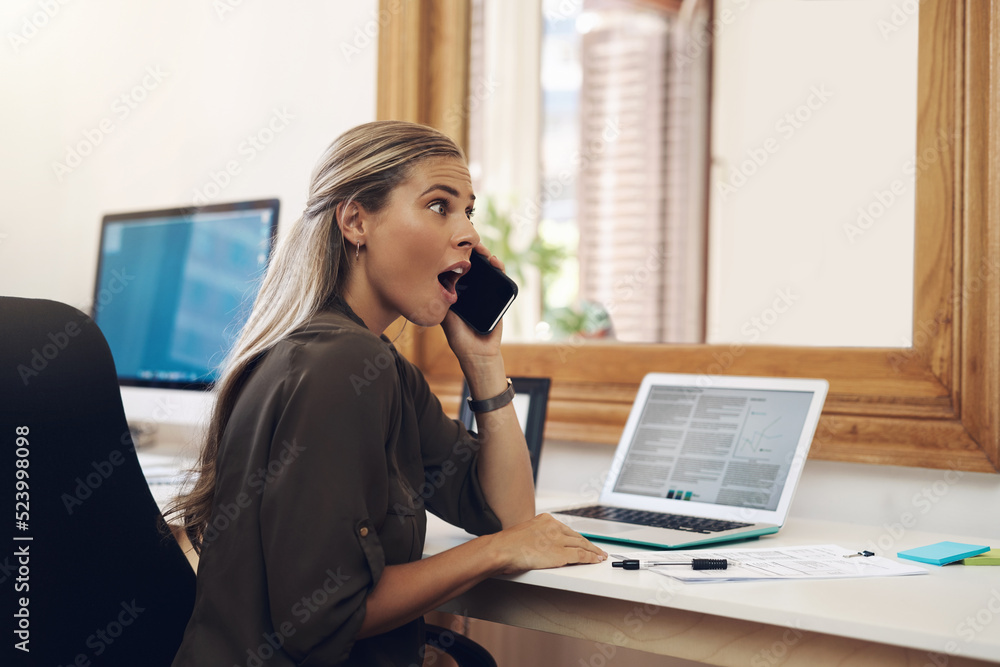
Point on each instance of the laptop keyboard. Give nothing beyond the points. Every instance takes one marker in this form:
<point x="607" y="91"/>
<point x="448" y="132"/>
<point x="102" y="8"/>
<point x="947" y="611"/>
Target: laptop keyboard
<point x="655" y="519"/>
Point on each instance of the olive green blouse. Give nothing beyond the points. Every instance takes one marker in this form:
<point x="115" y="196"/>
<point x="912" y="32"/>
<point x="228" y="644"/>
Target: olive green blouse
<point x="334" y="448"/>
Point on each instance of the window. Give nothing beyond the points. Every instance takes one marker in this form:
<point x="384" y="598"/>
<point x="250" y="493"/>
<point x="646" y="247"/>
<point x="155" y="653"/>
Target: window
<point x="933" y="404"/>
<point x="600" y="213"/>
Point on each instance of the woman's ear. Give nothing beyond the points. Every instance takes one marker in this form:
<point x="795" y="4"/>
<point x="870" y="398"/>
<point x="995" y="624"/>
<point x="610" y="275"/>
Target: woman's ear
<point x="353" y="222"/>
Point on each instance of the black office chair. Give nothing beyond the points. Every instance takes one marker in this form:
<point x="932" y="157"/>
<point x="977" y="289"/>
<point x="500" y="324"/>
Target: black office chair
<point x="91" y="576"/>
<point x="463" y="650"/>
<point x="89" y="571"/>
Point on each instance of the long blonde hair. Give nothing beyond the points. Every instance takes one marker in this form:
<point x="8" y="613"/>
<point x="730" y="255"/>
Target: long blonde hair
<point x="307" y="270"/>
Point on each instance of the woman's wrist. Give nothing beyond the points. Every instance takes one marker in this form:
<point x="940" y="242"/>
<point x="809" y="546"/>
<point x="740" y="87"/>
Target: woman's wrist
<point x="491" y="554"/>
<point x="486" y="378"/>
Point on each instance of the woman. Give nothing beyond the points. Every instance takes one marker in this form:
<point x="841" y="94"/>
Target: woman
<point x="326" y="445"/>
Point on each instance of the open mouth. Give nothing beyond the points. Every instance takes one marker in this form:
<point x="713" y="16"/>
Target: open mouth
<point x="449" y="279"/>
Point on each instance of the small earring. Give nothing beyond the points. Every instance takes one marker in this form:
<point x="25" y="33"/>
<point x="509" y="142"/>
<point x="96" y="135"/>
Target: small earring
<point x="357" y="253"/>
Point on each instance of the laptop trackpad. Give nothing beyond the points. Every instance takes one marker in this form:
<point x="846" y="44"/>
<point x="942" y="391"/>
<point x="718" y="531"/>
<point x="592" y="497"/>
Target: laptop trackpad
<point x="582" y="525"/>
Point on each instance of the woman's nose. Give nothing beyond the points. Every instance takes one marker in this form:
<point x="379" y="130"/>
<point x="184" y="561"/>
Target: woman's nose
<point x="467" y="235"/>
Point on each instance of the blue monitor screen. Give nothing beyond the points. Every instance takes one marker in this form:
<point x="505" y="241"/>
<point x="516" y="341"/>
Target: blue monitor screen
<point x="175" y="287"/>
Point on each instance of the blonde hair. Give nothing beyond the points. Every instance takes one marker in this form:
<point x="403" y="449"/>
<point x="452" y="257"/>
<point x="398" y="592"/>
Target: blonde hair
<point x="307" y="270"/>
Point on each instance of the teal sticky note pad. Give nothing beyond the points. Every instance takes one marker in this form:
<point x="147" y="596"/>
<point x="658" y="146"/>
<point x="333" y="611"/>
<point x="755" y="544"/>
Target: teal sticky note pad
<point x="943" y="552"/>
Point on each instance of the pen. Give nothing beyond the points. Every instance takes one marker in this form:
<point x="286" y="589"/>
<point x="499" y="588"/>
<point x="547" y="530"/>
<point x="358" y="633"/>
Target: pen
<point x="864" y="553"/>
<point x="696" y="564"/>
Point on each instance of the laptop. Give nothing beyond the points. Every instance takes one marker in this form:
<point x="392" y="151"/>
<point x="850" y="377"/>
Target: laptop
<point x="704" y="459"/>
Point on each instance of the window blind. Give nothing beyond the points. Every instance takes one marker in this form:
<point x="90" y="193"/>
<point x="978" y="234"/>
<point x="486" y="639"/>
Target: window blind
<point x="641" y="211"/>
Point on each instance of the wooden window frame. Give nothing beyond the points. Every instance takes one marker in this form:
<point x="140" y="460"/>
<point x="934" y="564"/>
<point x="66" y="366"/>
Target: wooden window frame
<point x="934" y="405"/>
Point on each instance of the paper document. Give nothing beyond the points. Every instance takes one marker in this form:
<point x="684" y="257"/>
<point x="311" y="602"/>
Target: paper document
<point x="826" y="561"/>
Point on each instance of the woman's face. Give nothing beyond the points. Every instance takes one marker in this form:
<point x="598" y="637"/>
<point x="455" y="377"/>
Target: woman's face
<point x="420" y="242"/>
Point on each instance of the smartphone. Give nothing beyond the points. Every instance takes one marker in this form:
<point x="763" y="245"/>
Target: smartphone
<point x="484" y="295"/>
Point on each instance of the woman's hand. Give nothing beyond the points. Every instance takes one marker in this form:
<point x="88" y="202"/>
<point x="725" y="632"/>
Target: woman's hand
<point x="468" y="345"/>
<point x="409" y="590"/>
<point x="542" y="542"/>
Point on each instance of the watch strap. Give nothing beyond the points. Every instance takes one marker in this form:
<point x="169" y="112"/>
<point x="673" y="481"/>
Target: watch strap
<point x="495" y="403"/>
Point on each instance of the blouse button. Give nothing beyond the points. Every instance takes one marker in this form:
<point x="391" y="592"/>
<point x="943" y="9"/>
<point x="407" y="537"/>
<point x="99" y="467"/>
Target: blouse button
<point x="364" y="531"/>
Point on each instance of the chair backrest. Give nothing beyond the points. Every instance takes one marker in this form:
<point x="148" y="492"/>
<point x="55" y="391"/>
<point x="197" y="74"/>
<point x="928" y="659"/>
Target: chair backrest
<point x="90" y="576"/>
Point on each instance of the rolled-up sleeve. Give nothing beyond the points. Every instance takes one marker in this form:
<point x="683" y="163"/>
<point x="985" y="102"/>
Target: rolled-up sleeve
<point x="450" y="458"/>
<point x="323" y="498"/>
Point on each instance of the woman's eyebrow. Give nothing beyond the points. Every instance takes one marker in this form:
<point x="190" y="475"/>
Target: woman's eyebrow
<point x="447" y="188"/>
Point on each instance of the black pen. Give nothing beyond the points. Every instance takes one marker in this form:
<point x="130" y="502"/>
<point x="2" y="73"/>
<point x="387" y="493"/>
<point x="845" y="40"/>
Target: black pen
<point x="864" y="553"/>
<point x="696" y="564"/>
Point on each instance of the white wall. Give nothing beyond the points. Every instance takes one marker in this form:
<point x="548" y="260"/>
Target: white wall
<point x="812" y="186"/>
<point x="158" y="99"/>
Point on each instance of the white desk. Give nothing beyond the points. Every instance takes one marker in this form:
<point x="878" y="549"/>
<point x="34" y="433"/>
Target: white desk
<point x="914" y="621"/>
<point x="172" y="444"/>
<point x="948" y="617"/>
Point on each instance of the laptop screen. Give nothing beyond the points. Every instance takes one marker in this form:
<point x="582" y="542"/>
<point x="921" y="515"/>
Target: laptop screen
<point x="723" y="446"/>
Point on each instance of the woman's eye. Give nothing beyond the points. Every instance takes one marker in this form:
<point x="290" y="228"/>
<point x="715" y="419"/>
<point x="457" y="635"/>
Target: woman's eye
<point x="439" y="208"/>
<point x="469" y="213"/>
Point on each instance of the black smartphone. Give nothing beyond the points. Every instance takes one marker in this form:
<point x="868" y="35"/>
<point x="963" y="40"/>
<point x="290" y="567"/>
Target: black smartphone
<point x="484" y="295"/>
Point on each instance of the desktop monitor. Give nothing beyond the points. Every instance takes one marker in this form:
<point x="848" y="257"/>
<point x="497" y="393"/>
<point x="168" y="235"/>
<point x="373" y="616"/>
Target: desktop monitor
<point x="173" y="289"/>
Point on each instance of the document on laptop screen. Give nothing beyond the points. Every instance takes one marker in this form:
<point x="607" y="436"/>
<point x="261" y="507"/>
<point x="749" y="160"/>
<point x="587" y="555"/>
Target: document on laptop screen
<point x="712" y="445"/>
